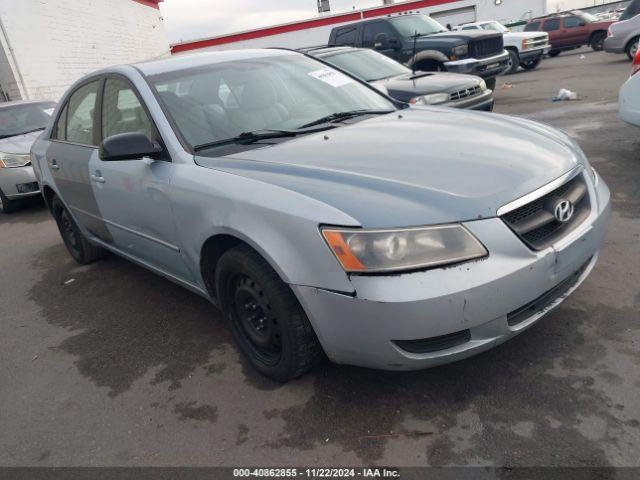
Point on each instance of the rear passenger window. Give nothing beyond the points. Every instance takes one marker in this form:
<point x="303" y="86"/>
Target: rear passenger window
<point x="122" y="112"/>
<point x="571" y="22"/>
<point x="346" y="36"/>
<point x="532" y="27"/>
<point x="82" y="104"/>
<point x="551" y="25"/>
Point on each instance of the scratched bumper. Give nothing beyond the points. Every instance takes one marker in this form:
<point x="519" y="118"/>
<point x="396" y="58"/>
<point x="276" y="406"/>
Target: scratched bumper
<point x="477" y="298"/>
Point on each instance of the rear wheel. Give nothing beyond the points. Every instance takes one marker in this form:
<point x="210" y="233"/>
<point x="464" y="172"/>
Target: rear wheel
<point x="554" y="53"/>
<point x="632" y="48"/>
<point x="514" y="62"/>
<point x="78" y="246"/>
<point x="597" y="41"/>
<point x="531" y="64"/>
<point x="268" y="323"/>
<point x="6" y="205"/>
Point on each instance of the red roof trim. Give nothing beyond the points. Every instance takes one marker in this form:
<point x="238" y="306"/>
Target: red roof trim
<point x="305" y="24"/>
<point x="150" y="3"/>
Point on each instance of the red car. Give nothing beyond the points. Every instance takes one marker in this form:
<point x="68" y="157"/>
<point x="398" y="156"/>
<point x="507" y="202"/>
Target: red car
<point x="571" y="30"/>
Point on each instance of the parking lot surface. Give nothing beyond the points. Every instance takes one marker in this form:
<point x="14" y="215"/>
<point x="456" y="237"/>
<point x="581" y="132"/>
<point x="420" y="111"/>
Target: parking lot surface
<point x="111" y="365"/>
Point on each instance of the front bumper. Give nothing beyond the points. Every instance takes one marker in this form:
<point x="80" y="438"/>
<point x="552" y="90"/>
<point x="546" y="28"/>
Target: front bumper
<point x="485" y="68"/>
<point x="614" y="44"/>
<point x="18" y="182"/>
<point x="534" y="53"/>
<point x="479" y="298"/>
<point x="482" y="102"/>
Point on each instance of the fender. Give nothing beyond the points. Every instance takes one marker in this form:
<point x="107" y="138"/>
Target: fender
<point x="427" y="55"/>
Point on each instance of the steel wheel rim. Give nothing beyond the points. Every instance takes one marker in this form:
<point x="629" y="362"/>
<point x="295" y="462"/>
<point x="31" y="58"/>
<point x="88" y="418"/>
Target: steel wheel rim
<point x="634" y="48"/>
<point x="68" y="231"/>
<point x="255" y="319"/>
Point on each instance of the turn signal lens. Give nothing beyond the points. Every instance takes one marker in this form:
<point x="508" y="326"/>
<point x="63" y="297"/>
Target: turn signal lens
<point x="369" y="251"/>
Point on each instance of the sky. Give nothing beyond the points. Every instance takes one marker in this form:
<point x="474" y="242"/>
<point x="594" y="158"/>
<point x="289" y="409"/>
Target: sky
<point x="193" y="19"/>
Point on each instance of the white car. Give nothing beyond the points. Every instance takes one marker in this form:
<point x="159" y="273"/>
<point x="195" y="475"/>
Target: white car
<point x="526" y="49"/>
<point x="630" y="95"/>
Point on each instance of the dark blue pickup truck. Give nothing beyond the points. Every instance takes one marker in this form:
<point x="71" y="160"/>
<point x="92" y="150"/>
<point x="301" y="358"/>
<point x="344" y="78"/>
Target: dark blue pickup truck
<point x="421" y="43"/>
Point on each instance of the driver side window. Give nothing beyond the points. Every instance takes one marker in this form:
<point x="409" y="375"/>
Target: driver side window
<point x="80" y="113"/>
<point x="122" y="112"/>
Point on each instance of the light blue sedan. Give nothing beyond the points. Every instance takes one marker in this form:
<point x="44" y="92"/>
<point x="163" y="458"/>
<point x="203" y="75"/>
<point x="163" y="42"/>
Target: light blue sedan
<point x="321" y="216"/>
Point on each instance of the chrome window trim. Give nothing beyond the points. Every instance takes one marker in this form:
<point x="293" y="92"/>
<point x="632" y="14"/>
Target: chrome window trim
<point x="541" y="192"/>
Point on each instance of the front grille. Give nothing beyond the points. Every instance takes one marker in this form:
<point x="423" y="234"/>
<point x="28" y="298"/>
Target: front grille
<point x="536" y="42"/>
<point x="434" y="344"/>
<point x="545" y="300"/>
<point x="536" y="224"/>
<point x="466" y="93"/>
<point x="487" y="47"/>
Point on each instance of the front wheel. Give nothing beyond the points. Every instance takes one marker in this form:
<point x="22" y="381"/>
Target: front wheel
<point x="6" y="205"/>
<point x="531" y="64"/>
<point x="632" y="48"/>
<point x="78" y="246"/>
<point x="597" y="41"/>
<point x="514" y="62"/>
<point x="267" y="321"/>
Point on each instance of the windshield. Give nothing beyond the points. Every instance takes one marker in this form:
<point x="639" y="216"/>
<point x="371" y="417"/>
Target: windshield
<point x="368" y="65"/>
<point x="284" y="92"/>
<point x="587" y="17"/>
<point x="497" y="26"/>
<point x="410" y="25"/>
<point x="20" y="119"/>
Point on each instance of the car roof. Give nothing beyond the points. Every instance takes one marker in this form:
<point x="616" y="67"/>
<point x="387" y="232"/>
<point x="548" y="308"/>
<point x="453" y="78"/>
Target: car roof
<point x="195" y="60"/>
<point x="14" y="103"/>
<point x="569" y="13"/>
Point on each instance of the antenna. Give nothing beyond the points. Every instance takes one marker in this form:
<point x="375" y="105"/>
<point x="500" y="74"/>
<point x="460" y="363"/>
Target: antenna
<point x="415" y="48"/>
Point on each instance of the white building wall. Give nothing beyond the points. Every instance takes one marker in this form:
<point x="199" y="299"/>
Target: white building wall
<point x="56" y="42"/>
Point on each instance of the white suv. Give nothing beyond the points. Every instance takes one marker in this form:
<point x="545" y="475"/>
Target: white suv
<point x="526" y="49"/>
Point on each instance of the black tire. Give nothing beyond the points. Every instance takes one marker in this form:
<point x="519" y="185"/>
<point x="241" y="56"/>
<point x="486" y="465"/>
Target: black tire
<point x="268" y="323"/>
<point x="491" y="83"/>
<point x="514" y="62"/>
<point x="554" y="53"/>
<point x="597" y="41"/>
<point x="78" y="246"/>
<point x="6" y="205"/>
<point x="632" y="48"/>
<point x="531" y="64"/>
<point x="430" y="66"/>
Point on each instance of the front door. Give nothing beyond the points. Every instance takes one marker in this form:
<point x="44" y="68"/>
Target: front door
<point x="133" y="195"/>
<point x="72" y="148"/>
<point x="576" y="31"/>
<point x="381" y="37"/>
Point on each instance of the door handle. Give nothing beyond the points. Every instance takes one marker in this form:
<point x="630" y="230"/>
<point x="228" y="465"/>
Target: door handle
<point x="54" y="165"/>
<point x="98" y="178"/>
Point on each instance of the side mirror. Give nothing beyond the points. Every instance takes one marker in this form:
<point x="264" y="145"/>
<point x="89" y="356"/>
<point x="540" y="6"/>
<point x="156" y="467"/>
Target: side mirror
<point x="582" y="24"/>
<point x="128" y="146"/>
<point x="394" y="43"/>
<point x="381" y="42"/>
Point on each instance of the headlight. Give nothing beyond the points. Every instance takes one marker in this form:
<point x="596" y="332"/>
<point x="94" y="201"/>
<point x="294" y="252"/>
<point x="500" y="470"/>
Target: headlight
<point x="10" y="160"/>
<point x="460" y="51"/>
<point x="432" y="99"/>
<point x="483" y="85"/>
<point x="367" y="251"/>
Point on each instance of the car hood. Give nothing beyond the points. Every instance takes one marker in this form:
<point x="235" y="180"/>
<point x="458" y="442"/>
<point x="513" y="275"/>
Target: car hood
<point x="462" y="35"/>
<point x="19" y="144"/>
<point x="410" y="85"/>
<point x="415" y="167"/>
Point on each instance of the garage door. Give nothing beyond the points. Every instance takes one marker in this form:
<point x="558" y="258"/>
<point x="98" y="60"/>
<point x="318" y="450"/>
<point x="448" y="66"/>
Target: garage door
<point x="456" y="16"/>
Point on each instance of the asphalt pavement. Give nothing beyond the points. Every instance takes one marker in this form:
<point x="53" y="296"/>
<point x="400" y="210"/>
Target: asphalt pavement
<point x="110" y="365"/>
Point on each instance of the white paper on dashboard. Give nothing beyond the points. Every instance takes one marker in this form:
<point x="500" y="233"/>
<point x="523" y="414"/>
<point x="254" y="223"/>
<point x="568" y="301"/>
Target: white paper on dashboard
<point x="331" y="77"/>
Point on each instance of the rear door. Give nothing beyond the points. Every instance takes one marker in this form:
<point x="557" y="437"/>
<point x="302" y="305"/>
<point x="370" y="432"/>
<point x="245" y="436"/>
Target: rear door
<point x="575" y="30"/>
<point x="133" y="195"/>
<point x="552" y="27"/>
<point x="73" y="145"/>
<point x="378" y="36"/>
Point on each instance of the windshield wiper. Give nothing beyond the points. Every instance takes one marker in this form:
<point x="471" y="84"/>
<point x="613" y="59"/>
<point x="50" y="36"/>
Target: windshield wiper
<point x="22" y="133"/>
<point x="248" y="138"/>
<point x="345" y="115"/>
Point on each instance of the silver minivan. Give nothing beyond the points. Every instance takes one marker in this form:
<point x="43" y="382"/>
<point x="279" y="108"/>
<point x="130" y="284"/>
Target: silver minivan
<point x="623" y="36"/>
